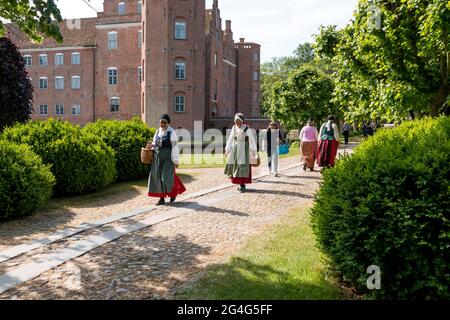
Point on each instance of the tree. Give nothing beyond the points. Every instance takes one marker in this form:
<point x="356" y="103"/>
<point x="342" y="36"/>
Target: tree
<point x="306" y="93"/>
<point x="16" y="91"/>
<point x="35" y="18"/>
<point x="392" y="61"/>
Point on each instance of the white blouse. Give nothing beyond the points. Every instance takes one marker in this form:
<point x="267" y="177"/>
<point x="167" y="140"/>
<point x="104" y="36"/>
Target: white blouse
<point x="174" y="141"/>
<point x="239" y="132"/>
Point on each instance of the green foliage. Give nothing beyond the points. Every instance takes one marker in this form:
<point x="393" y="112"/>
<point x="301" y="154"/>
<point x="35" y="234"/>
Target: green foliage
<point x="35" y="18"/>
<point x="16" y="91"/>
<point x="392" y="60"/>
<point x="126" y="138"/>
<point x="25" y="182"/>
<point x="80" y="161"/>
<point x="388" y="205"/>
<point x="306" y="93"/>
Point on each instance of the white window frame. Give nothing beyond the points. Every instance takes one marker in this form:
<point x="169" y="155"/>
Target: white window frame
<point x="180" y="72"/>
<point x="216" y="59"/>
<point x="76" y="109"/>
<point x="179" y="103"/>
<point x="58" y="109"/>
<point x="180" y="34"/>
<point x="28" y="58"/>
<point x="113" y="79"/>
<point x="46" y="59"/>
<point x="121" y="8"/>
<point x="111" y="104"/>
<point x="72" y="82"/>
<point x="56" y="82"/>
<point x="73" y="55"/>
<point x="139" y="7"/>
<point x="59" y="56"/>
<point x="46" y="82"/>
<point x="255" y="75"/>
<point x="46" y="110"/>
<point x="113" y="43"/>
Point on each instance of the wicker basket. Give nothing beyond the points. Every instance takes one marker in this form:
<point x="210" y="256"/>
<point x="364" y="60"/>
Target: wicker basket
<point x="146" y="155"/>
<point x="257" y="163"/>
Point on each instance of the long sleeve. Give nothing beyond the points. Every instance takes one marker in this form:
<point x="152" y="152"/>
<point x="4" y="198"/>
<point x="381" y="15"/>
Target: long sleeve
<point x="336" y="132"/>
<point x="321" y="131"/>
<point x="175" y="148"/>
<point x="230" y="142"/>
<point x="251" y="140"/>
<point x="302" y="134"/>
<point x="316" y="134"/>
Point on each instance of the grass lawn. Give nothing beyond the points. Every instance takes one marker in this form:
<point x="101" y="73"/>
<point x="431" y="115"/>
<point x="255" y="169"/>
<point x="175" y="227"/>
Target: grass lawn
<point x="280" y="263"/>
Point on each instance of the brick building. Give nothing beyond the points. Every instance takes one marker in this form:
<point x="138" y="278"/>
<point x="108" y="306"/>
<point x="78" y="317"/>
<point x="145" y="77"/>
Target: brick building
<point x="144" y="58"/>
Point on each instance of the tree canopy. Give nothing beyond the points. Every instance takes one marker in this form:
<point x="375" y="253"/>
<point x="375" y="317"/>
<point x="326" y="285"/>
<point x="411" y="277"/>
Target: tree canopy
<point x="36" y="18"/>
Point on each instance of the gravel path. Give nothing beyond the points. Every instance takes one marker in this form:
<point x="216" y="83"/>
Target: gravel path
<point x="154" y="262"/>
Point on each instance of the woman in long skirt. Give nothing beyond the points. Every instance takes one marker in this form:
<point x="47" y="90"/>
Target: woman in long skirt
<point x="163" y="181"/>
<point x="328" y="144"/>
<point x="308" y="145"/>
<point x="240" y="150"/>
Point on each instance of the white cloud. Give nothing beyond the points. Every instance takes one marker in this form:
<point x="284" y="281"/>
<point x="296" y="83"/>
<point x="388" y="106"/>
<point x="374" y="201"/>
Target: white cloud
<point x="279" y="26"/>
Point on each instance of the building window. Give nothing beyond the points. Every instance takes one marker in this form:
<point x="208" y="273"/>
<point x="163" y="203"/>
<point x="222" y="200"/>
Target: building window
<point x="180" y="103"/>
<point x="216" y="59"/>
<point x="215" y="89"/>
<point x="43" y="83"/>
<point x="28" y="60"/>
<point x="180" y="70"/>
<point x="59" y="83"/>
<point x="112" y="40"/>
<point x="76" y="57"/>
<point x="59" y="59"/>
<point x="180" y="30"/>
<point x="121" y="8"/>
<point x="114" y="104"/>
<point x="112" y="76"/>
<point x="140" y="39"/>
<point x="43" y="60"/>
<point x="76" y="82"/>
<point x="256" y="56"/>
<point x="76" y="109"/>
<point x="256" y="75"/>
<point x="43" y="110"/>
<point x="59" y="109"/>
<point x="139" y="7"/>
<point x="140" y="74"/>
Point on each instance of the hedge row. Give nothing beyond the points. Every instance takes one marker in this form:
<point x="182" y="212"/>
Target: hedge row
<point x="388" y="205"/>
<point x="66" y="160"/>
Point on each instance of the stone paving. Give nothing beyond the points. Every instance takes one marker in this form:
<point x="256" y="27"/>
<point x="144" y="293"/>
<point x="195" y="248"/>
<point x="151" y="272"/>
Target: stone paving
<point x="156" y="261"/>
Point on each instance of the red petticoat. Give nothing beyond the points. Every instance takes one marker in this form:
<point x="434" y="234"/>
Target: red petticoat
<point x="177" y="189"/>
<point x="243" y="180"/>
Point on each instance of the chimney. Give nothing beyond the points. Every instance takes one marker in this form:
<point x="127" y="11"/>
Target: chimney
<point x="228" y="25"/>
<point x="242" y="40"/>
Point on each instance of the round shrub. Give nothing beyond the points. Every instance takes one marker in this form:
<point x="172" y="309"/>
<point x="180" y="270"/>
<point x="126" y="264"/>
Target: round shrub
<point x="388" y="205"/>
<point x="126" y="138"/>
<point x="80" y="161"/>
<point x="25" y="182"/>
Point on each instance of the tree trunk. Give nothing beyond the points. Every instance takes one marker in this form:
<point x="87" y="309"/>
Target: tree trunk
<point x="440" y="99"/>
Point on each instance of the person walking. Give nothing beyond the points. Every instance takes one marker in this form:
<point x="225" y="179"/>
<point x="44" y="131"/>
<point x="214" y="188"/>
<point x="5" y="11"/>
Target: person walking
<point x="308" y="145"/>
<point x="346" y="131"/>
<point x="241" y="148"/>
<point x="163" y="181"/>
<point x="273" y="139"/>
<point x="328" y="143"/>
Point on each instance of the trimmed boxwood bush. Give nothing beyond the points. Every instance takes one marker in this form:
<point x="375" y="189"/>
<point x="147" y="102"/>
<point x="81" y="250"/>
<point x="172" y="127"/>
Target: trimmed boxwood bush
<point x="80" y="161"/>
<point x="388" y="205"/>
<point x="25" y="182"/>
<point x="126" y="138"/>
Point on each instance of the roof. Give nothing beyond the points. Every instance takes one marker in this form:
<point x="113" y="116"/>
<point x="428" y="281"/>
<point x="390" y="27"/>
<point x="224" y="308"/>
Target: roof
<point x="75" y="32"/>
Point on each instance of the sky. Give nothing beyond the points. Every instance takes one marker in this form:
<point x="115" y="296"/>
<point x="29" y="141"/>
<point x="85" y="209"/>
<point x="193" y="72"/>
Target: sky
<point x="279" y="26"/>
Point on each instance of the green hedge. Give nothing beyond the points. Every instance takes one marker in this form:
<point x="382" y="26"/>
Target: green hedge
<point x="388" y="205"/>
<point x="81" y="162"/>
<point x="126" y="138"/>
<point x="25" y="182"/>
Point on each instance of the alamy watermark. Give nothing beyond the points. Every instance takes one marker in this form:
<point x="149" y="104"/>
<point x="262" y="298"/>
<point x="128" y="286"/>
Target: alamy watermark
<point x="374" y="18"/>
<point x="374" y="280"/>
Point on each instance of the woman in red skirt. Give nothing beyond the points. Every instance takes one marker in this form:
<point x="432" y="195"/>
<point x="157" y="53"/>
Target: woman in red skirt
<point x="328" y="143"/>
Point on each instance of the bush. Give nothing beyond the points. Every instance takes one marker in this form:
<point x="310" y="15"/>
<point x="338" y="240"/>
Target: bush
<point x="126" y="138"/>
<point x="388" y="205"/>
<point x="25" y="182"/>
<point x="81" y="162"/>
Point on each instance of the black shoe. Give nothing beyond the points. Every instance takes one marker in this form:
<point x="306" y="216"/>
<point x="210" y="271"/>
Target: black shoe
<point x="161" y="202"/>
<point x="305" y="166"/>
<point x="172" y="200"/>
<point x="242" y="188"/>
